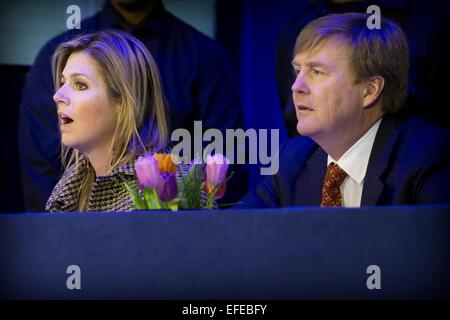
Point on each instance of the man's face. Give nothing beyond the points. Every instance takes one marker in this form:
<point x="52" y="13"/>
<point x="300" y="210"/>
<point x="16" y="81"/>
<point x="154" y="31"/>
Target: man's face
<point x="326" y="99"/>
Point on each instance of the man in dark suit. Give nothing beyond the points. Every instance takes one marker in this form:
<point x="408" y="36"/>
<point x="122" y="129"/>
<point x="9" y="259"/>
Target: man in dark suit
<point x="356" y="148"/>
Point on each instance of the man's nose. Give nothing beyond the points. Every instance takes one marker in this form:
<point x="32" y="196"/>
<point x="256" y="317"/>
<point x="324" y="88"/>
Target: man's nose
<point x="300" y="85"/>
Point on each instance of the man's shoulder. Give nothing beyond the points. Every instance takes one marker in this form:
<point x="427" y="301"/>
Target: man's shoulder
<point x="418" y="127"/>
<point x="419" y="132"/>
<point x="419" y="141"/>
<point x="191" y="37"/>
<point x="183" y="27"/>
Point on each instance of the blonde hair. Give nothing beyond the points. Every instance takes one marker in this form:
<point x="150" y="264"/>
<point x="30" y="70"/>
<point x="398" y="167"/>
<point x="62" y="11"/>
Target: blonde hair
<point x="132" y="79"/>
<point x="382" y="52"/>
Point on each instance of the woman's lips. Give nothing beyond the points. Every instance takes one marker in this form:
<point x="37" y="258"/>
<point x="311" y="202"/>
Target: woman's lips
<point x="64" y="120"/>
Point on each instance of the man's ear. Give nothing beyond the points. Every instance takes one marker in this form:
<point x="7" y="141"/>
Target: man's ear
<point x="372" y="90"/>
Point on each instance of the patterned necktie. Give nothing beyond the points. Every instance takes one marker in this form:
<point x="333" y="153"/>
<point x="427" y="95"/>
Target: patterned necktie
<point x="331" y="195"/>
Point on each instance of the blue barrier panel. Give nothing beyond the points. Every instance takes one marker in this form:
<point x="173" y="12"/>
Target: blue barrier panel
<point x="295" y="253"/>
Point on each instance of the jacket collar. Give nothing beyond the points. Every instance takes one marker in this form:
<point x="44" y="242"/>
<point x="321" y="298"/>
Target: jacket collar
<point x="385" y="140"/>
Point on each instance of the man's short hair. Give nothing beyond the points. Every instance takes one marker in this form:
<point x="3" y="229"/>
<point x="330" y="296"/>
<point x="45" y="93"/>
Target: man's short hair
<point x="373" y="52"/>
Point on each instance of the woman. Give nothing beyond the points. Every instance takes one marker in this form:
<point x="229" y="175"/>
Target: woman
<point x="111" y="109"/>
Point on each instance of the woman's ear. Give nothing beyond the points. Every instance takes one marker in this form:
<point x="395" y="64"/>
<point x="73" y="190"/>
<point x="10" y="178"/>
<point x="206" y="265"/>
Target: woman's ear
<point x="372" y="90"/>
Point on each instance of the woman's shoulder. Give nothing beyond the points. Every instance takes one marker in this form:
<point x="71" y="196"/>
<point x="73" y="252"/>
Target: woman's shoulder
<point x="65" y="193"/>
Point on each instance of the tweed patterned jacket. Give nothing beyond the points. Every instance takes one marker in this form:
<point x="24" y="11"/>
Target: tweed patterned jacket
<point x="108" y="193"/>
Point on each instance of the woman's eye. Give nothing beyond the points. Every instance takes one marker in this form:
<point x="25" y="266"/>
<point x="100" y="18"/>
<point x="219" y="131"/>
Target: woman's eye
<point x="80" y="86"/>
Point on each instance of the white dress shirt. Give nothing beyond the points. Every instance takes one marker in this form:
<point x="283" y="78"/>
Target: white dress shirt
<point x="354" y="162"/>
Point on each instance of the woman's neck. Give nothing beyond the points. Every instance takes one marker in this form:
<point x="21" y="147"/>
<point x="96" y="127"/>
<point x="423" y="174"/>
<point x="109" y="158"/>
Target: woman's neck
<point x="100" y="161"/>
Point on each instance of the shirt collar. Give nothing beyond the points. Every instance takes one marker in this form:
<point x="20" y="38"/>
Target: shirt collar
<point x="356" y="159"/>
<point x="155" y="21"/>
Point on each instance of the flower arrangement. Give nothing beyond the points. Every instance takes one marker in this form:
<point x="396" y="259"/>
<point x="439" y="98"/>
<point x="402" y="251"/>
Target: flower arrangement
<point x="198" y="188"/>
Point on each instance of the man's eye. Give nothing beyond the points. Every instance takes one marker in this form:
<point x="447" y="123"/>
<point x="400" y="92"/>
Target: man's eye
<point x="296" y="71"/>
<point x="316" y="72"/>
<point x="80" y="86"/>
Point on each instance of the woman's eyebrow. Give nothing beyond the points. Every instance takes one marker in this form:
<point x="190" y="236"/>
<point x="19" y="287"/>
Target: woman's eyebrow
<point x="77" y="74"/>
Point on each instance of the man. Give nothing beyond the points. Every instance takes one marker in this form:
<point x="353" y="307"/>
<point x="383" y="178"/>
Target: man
<point x="196" y="77"/>
<point x="356" y="149"/>
<point x="425" y="77"/>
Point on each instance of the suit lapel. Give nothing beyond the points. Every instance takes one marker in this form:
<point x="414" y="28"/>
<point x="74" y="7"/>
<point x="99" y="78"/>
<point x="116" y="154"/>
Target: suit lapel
<point x="308" y="186"/>
<point x="378" y="161"/>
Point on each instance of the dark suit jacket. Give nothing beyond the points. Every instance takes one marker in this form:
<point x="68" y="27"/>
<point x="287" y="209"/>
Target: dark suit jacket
<point x="409" y="164"/>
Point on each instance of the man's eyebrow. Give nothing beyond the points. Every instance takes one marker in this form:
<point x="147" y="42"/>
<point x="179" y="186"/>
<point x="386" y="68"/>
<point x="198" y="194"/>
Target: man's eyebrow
<point x="295" y="63"/>
<point x="313" y="64"/>
<point x="310" y="64"/>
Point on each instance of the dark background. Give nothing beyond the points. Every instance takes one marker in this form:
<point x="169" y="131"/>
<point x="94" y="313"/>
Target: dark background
<point x="252" y="32"/>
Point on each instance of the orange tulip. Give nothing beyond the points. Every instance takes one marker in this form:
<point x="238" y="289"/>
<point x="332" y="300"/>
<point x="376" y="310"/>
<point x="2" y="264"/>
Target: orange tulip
<point x="165" y="162"/>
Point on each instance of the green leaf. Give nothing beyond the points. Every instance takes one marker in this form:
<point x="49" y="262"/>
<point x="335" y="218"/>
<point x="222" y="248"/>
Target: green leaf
<point x="211" y="197"/>
<point x="190" y="188"/>
<point x="151" y="198"/>
<point x="172" y="204"/>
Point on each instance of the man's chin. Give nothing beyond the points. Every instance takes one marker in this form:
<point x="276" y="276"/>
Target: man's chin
<point x="304" y="129"/>
<point x="300" y="129"/>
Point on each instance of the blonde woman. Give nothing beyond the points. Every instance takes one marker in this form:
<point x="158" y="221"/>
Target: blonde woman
<point x="111" y="109"/>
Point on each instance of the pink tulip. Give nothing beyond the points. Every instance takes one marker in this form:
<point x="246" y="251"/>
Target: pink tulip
<point x="147" y="171"/>
<point x="216" y="169"/>
<point x="167" y="186"/>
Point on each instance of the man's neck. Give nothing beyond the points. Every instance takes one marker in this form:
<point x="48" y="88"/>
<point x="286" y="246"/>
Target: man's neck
<point x="337" y="145"/>
<point x="135" y="14"/>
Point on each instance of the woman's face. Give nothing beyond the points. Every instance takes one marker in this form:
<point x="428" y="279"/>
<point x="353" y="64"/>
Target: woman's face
<point x="87" y="115"/>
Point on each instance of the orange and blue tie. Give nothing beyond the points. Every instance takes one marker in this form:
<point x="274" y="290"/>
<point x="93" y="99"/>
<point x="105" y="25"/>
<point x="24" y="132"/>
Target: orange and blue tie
<point x="331" y="195"/>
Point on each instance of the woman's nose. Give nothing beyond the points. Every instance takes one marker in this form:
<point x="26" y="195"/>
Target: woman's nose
<point x="59" y="96"/>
